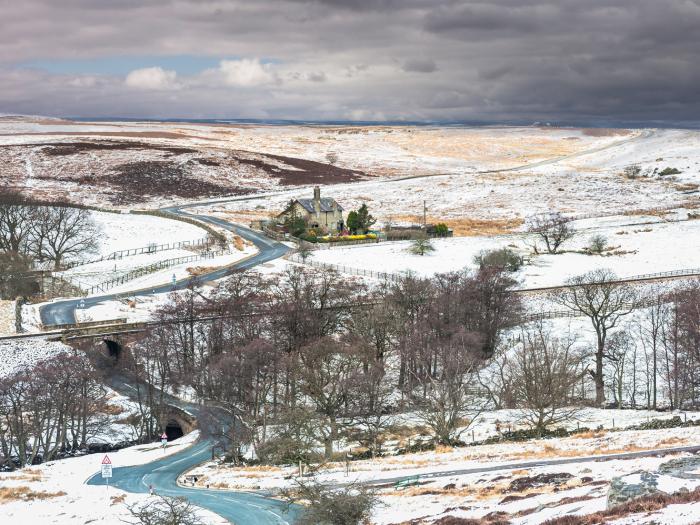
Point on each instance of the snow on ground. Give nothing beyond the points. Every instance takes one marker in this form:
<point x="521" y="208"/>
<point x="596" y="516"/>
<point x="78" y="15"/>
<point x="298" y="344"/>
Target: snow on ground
<point x="133" y="309"/>
<point x="124" y="231"/>
<point x="643" y="248"/>
<point x="475" y="495"/>
<point x="88" y="275"/>
<point x="681" y="514"/>
<point x="69" y="501"/>
<point x="182" y="271"/>
<point x="445" y="459"/>
<point x="473" y="202"/>
<point x="19" y="354"/>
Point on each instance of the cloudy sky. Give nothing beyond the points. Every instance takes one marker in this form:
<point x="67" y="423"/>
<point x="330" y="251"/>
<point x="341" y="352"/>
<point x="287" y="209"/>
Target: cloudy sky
<point x="493" y="60"/>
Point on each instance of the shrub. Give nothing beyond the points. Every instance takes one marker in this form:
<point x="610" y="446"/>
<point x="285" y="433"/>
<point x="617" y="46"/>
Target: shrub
<point x="669" y="171"/>
<point x="421" y="246"/>
<point x="283" y="450"/>
<point x="633" y="171"/>
<point x="597" y="244"/>
<point x="504" y="259"/>
<point x="441" y="230"/>
<point x="348" y="505"/>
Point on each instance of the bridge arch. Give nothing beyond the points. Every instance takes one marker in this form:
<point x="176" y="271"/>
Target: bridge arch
<point x="114" y="348"/>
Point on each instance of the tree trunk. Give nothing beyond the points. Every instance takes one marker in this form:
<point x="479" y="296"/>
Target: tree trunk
<point x="599" y="384"/>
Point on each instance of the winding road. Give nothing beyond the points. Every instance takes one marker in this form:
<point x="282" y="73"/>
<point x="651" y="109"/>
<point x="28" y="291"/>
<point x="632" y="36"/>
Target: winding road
<point x="240" y="508"/>
<point x="63" y="312"/>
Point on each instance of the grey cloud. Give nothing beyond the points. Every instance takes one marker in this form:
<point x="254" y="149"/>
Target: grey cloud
<point x="499" y="59"/>
<point x="419" y="65"/>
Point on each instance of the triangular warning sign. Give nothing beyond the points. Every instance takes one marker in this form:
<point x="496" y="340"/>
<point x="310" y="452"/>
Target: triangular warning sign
<point x="164" y="436"/>
<point x="106" y="460"/>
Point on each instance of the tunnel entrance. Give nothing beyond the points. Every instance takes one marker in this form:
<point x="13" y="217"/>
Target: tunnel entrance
<point x="173" y="430"/>
<point x="114" y="349"/>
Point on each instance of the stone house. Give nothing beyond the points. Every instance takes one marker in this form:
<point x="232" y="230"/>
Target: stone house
<point x="322" y="213"/>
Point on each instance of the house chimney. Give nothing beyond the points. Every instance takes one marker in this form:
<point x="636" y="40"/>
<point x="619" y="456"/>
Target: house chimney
<point x="317" y="201"/>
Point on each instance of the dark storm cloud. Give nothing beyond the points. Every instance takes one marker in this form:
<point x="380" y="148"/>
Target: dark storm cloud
<point x="498" y="59"/>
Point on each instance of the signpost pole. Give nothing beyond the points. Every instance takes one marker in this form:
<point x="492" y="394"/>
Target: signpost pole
<point x="106" y="468"/>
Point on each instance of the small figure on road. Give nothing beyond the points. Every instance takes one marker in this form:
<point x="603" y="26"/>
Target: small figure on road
<point x="150" y="490"/>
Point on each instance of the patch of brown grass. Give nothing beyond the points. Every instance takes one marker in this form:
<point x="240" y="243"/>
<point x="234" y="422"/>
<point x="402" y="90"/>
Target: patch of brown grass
<point x="261" y="468"/>
<point x="549" y="451"/>
<point x="113" y="410"/>
<point x="116" y="500"/>
<point x="674" y="440"/>
<point x="468" y="227"/>
<point x="590" y="434"/>
<point x="200" y="270"/>
<point x="238" y="243"/>
<point x="605" y="132"/>
<point x="645" y="504"/>
<point x="25" y="475"/>
<point x="23" y="493"/>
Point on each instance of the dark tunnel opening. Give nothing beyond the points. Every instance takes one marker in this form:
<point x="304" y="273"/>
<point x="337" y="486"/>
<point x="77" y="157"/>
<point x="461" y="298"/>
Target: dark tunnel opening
<point x="173" y="430"/>
<point x="114" y="349"/>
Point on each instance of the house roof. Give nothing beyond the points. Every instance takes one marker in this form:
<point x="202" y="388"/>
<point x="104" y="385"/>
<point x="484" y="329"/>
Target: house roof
<point x="326" y="205"/>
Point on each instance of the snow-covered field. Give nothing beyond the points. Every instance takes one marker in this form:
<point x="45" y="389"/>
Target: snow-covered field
<point x="476" y="495"/>
<point x="57" y="493"/>
<point x="643" y="248"/>
<point x="126" y="231"/>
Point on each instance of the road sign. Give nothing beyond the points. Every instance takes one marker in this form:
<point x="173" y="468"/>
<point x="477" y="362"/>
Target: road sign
<point x="164" y="439"/>
<point x="106" y="467"/>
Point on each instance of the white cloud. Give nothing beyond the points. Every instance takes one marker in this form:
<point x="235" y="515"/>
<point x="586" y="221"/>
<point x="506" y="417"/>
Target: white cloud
<point x="155" y="78"/>
<point x="247" y="72"/>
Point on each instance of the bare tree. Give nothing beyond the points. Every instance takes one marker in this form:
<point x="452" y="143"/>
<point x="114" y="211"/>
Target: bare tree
<point x="450" y="403"/>
<point x="620" y="354"/>
<point x="496" y="378"/>
<point x="304" y="250"/>
<point x="651" y="328"/>
<point x="551" y="228"/>
<point x="163" y="510"/>
<point x="328" y="369"/>
<point x="16" y="278"/>
<point x="599" y="296"/>
<point x="16" y="220"/>
<point x="62" y="232"/>
<point x="545" y="372"/>
<point x="347" y="505"/>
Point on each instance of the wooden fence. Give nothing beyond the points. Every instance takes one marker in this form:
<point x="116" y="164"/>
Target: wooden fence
<point x="144" y="270"/>
<point x="204" y="242"/>
<point x="347" y="269"/>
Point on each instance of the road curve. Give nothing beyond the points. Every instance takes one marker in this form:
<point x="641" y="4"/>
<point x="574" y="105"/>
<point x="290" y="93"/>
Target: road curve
<point x="241" y="508"/>
<point x="63" y="312"/>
